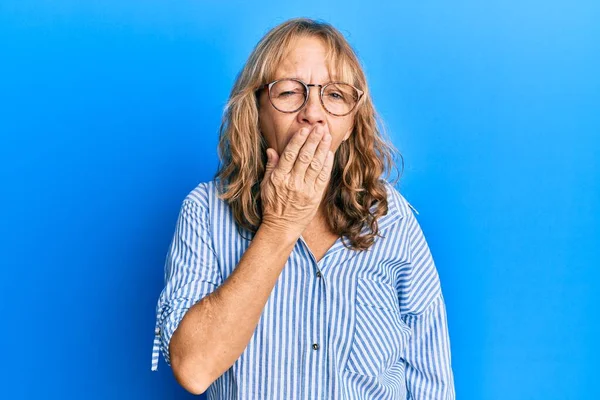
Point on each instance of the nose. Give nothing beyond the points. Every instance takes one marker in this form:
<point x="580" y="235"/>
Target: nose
<point x="313" y="111"/>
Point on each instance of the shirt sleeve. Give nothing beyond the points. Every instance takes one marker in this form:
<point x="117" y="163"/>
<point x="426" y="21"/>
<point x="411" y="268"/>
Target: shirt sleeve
<point x="428" y="369"/>
<point x="191" y="272"/>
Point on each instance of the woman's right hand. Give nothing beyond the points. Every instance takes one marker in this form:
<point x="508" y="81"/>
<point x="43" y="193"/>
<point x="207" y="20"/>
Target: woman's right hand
<point x="293" y="185"/>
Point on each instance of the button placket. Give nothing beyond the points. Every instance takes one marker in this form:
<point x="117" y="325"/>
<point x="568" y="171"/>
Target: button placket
<point x="316" y="361"/>
<point x="319" y="275"/>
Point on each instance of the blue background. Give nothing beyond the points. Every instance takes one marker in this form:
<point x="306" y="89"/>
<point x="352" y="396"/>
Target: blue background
<point x="109" y="114"/>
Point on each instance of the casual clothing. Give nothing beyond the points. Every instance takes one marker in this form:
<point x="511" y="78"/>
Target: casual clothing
<point x="355" y="325"/>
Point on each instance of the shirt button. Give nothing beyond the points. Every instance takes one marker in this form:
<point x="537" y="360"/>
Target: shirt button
<point x="157" y="331"/>
<point x="315" y="346"/>
<point x="318" y="274"/>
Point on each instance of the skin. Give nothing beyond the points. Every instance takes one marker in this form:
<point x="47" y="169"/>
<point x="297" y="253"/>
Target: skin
<point x="215" y="331"/>
<point x="305" y="61"/>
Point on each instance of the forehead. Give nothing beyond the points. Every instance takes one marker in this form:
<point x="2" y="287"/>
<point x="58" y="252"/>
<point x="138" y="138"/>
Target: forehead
<point x="308" y="58"/>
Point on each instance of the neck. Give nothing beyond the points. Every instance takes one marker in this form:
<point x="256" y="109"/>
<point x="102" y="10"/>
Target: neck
<point x="321" y="212"/>
<point x="319" y="222"/>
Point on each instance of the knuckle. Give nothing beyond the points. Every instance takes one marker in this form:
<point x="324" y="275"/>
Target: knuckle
<point x="304" y="158"/>
<point x="315" y="164"/>
<point x="275" y="177"/>
<point x="323" y="175"/>
<point x="289" y="155"/>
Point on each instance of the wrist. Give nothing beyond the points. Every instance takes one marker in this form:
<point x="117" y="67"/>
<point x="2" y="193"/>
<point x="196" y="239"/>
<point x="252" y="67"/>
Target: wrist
<point x="277" y="234"/>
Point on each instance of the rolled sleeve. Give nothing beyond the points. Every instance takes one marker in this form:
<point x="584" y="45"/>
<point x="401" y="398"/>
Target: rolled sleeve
<point x="428" y="360"/>
<point x="428" y="369"/>
<point x="191" y="273"/>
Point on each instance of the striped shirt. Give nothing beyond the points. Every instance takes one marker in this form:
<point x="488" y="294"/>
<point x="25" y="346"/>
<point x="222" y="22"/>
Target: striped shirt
<point x="355" y="325"/>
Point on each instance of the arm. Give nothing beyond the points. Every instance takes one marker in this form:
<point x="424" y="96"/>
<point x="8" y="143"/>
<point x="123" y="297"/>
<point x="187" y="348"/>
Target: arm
<point x="428" y="358"/>
<point x="211" y="335"/>
<point x="205" y="323"/>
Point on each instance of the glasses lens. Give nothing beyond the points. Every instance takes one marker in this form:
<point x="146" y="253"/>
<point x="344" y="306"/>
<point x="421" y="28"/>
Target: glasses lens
<point x="288" y="95"/>
<point x="339" y="98"/>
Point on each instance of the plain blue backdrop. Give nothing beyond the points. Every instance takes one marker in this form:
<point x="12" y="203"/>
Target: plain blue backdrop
<point x="109" y="114"/>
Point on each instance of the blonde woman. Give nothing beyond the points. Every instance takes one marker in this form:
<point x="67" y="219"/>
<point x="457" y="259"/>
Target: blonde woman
<point x="298" y="272"/>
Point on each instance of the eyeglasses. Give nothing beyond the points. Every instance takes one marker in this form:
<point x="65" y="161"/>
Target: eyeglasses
<point x="290" y="95"/>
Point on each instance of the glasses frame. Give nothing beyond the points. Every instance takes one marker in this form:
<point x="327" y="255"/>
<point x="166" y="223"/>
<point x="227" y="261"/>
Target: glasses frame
<point x="307" y="87"/>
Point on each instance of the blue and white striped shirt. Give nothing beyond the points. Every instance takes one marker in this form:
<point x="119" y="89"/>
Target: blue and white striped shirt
<point x="355" y="325"/>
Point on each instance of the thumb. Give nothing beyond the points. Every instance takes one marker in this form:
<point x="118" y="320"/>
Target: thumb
<point x="271" y="161"/>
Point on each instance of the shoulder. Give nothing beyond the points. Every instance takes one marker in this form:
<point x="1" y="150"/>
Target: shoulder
<point x="203" y="195"/>
<point x="397" y="203"/>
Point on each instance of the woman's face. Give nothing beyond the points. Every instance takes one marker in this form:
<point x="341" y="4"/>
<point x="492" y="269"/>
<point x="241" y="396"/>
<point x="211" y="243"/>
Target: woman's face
<point x="305" y="61"/>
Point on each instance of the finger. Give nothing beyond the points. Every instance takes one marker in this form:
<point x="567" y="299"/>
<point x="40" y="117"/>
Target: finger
<point x="271" y="162"/>
<point x="325" y="173"/>
<point x="307" y="152"/>
<point x="318" y="160"/>
<point x="289" y="154"/>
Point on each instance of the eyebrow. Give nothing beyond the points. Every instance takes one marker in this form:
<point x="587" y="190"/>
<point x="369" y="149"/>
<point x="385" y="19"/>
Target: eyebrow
<point x="300" y="79"/>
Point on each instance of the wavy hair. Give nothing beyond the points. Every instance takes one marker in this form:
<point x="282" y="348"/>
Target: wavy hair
<point x="356" y="196"/>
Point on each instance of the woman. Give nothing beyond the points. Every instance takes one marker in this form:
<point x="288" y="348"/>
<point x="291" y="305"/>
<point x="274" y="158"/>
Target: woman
<point x="298" y="273"/>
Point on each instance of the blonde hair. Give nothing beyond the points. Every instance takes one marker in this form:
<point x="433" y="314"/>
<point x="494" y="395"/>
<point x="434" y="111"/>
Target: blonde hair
<point x="355" y="186"/>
